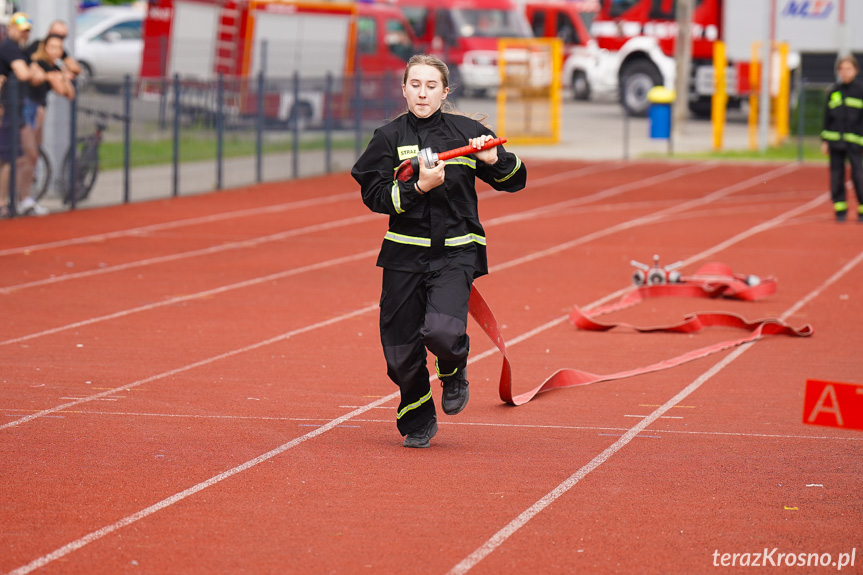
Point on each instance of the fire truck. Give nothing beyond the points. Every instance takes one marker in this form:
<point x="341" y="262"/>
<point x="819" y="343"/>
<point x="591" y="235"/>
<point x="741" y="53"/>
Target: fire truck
<point x="465" y="33"/>
<point x="640" y="35"/>
<point x="558" y="19"/>
<point x="201" y="40"/>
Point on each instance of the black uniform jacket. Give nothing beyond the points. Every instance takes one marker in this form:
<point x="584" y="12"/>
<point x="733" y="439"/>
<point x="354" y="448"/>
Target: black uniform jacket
<point x="843" y="117"/>
<point x="423" y="228"/>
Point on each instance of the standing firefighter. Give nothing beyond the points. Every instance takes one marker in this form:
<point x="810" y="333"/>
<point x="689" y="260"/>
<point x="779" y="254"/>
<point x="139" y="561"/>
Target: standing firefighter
<point x="435" y="245"/>
<point x="843" y="136"/>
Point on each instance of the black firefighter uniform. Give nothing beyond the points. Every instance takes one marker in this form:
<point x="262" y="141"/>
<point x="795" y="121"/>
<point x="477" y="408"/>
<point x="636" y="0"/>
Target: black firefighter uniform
<point x="843" y="132"/>
<point x="432" y="251"/>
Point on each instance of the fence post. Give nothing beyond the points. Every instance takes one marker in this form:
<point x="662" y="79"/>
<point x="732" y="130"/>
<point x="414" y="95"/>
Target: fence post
<point x="801" y="119"/>
<point x="259" y="131"/>
<point x="14" y="112"/>
<point x="72" y="154"/>
<point x="328" y="127"/>
<point x="358" y="112"/>
<point x="259" y="125"/>
<point x="175" y="160"/>
<point x="625" y="133"/>
<point x="295" y="113"/>
<point x="220" y="127"/>
<point x="127" y="140"/>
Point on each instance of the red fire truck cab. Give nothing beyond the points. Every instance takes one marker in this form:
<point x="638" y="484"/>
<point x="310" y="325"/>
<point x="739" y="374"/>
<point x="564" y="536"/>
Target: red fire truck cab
<point x="564" y="20"/>
<point x="464" y="33"/>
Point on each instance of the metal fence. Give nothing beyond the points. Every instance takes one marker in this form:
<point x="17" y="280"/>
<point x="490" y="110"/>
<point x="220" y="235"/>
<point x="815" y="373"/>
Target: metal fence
<point x="177" y="136"/>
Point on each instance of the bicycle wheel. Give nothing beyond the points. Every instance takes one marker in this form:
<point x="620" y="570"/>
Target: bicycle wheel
<point x="41" y="176"/>
<point x="87" y="168"/>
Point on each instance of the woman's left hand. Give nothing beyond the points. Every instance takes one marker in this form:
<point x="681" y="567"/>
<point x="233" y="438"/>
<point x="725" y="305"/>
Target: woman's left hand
<point x="488" y="156"/>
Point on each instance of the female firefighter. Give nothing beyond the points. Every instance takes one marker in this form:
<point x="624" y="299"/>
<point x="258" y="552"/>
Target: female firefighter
<point x="842" y="136"/>
<point x="435" y="245"/>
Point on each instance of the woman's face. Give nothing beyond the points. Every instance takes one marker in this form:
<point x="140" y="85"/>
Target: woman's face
<point x="424" y="90"/>
<point x="847" y="72"/>
<point x="54" y="48"/>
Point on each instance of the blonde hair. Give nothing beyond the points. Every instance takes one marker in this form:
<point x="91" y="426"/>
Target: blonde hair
<point x="41" y="54"/>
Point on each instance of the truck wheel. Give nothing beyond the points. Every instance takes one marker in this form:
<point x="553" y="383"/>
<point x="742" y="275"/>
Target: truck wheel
<point x="580" y="86"/>
<point x="636" y="79"/>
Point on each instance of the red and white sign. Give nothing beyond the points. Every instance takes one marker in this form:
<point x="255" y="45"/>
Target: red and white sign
<point x="833" y="404"/>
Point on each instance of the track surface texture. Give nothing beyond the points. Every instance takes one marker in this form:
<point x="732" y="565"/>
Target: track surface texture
<point x="196" y="385"/>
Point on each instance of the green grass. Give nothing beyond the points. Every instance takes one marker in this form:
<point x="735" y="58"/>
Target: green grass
<point x="787" y="152"/>
<point x="202" y="148"/>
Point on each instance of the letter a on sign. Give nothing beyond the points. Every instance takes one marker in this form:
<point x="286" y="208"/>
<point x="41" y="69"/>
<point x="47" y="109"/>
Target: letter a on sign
<point x="833" y="404"/>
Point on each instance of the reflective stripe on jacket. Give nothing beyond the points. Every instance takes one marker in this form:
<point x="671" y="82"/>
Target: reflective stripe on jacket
<point x="843" y="117"/>
<point x="422" y="227"/>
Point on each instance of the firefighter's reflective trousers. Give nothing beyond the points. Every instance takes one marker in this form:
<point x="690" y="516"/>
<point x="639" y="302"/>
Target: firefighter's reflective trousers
<point x="837" y="178"/>
<point x="422" y="311"/>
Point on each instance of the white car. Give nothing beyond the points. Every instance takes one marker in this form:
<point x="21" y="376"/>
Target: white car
<point x="108" y="44"/>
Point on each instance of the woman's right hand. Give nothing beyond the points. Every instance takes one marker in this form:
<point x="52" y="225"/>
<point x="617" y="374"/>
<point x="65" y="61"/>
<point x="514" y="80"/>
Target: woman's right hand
<point x="431" y="177"/>
<point x="825" y="148"/>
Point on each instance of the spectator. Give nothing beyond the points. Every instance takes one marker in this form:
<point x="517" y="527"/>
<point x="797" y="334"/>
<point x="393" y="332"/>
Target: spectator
<point x="14" y="63"/>
<point x="59" y="29"/>
<point x="48" y="55"/>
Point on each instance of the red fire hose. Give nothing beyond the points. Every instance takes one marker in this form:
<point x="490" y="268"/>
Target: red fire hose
<point x="409" y="167"/>
<point x="711" y="281"/>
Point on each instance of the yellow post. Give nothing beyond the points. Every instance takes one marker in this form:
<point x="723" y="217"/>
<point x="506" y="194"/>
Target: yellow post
<point x="529" y="96"/>
<point x="556" y="89"/>
<point x="754" y="84"/>
<point x="719" y="100"/>
<point x="783" y="105"/>
<point x="501" y="91"/>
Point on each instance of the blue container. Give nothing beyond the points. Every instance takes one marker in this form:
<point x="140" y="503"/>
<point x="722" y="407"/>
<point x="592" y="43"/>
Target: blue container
<point x="660" y="121"/>
<point x="659" y="112"/>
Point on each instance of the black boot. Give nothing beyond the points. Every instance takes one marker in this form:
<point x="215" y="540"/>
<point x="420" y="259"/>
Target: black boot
<point x="455" y="392"/>
<point x="422" y="437"/>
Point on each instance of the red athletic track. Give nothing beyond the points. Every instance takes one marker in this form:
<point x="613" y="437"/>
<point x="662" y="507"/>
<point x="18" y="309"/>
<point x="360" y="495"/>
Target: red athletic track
<point x="196" y="385"/>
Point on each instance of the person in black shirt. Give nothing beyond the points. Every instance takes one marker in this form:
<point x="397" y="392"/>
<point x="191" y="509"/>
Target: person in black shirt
<point x="13" y="63"/>
<point x="435" y="246"/>
<point x="49" y="57"/>
<point x="842" y="136"/>
<point x="59" y="29"/>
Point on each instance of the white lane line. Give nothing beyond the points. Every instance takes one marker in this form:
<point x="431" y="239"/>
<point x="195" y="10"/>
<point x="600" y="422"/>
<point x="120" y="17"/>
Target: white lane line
<point x="143" y="230"/>
<point x="240" y="244"/>
<point x="247" y="283"/>
<point x="98" y="534"/>
<point x="655" y="216"/>
<point x="167" y="502"/>
<point x="487" y="353"/>
<point x="198" y="295"/>
<point x="224" y="247"/>
<point x="312" y="202"/>
<point x="322" y="420"/>
<point x="508" y="530"/>
<point x="191" y="366"/>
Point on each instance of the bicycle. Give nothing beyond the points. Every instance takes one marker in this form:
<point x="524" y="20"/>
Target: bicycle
<point x="85" y="154"/>
<point x="41" y="176"/>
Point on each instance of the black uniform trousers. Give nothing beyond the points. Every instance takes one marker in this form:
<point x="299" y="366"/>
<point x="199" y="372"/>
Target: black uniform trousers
<point x="422" y="311"/>
<point x="837" y="175"/>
